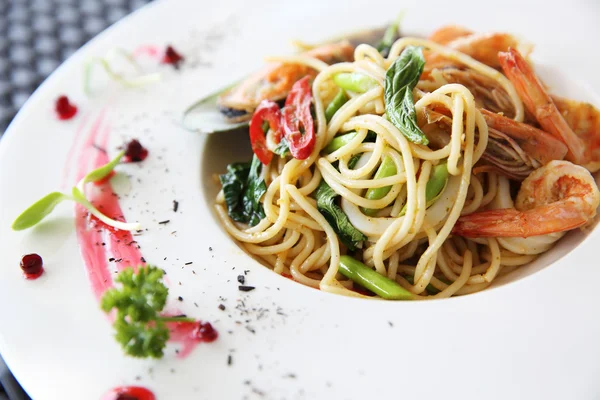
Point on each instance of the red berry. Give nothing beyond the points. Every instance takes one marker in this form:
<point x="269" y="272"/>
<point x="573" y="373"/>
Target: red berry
<point x="205" y="332"/>
<point x="172" y="57"/>
<point x="32" y="266"/>
<point x="135" y="152"/>
<point x="64" y="109"/>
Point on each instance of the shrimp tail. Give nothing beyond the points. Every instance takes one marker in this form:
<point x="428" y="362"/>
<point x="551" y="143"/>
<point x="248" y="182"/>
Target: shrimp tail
<point x="540" y="104"/>
<point x="556" y="217"/>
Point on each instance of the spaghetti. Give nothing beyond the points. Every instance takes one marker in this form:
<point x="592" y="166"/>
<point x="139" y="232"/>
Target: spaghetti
<point x="407" y="236"/>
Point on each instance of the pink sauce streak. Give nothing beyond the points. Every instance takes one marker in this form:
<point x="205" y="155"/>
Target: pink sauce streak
<point x="148" y="50"/>
<point x="118" y="245"/>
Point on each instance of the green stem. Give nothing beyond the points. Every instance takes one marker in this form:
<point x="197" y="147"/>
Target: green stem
<point x="338" y="142"/>
<point x="124" y="226"/>
<point x="176" y="319"/>
<point x="338" y="101"/>
<point x="354" y="81"/>
<point x="435" y="185"/>
<point x="386" y="169"/>
<point x="372" y="280"/>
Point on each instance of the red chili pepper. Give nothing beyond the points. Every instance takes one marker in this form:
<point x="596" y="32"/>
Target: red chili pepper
<point x="298" y="126"/>
<point x="267" y="111"/>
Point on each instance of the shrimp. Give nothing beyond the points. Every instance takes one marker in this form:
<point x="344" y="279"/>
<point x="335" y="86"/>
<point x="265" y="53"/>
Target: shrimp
<point x="276" y="80"/>
<point x="584" y="120"/>
<point x="483" y="47"/>
<point x="448" y="33"/>
<point x="557" y="197"/>
<point x="540" y="104"/>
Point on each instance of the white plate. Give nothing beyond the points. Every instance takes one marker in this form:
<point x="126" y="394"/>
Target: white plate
<point x="533" y="338"/>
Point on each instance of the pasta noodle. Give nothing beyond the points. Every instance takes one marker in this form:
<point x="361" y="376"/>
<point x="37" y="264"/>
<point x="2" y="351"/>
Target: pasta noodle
<point x="408" y="239"/>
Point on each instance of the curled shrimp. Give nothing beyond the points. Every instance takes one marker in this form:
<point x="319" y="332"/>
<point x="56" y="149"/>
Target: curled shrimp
<point x="540" y="104"/>
<point x="557" y="197"/>
<point x="483" y="47"/>
<point x="448" y="33"/>
<point x="584" y="120"/>
<point x="275" y="80"/>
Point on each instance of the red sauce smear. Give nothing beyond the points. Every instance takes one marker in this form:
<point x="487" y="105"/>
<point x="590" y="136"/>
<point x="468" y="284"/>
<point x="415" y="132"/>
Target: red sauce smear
<point x="129" y="393"/>
<point x="32" y="266"/>
<point x="135" y="152"/>
<point x="172" y="57"/>
<point x="100" y="243"/>
<point x="189" y="334"/>
<point x="64" y="109"/>
<point x="148" y="50"/>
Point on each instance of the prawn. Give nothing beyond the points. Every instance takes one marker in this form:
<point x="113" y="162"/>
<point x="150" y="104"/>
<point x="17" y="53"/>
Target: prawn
<point x="275" y="81"/>
<point x="557" y="197"/>
<point x="584" y="120"/>
<point x="540" y="104"/>
<point x="448" y="33"/>
<point x="483" y="47"/>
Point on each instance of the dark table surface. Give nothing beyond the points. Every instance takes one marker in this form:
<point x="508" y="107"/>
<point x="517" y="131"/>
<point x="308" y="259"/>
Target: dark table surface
<point x="36" y="36"/>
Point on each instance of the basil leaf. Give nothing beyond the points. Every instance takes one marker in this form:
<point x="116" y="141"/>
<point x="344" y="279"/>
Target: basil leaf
<point x="38" y="211"/>
<point x="243" y="189"/>
<point x="400" y="80"/>
<point x="256" y="187"/>
<point x="100" y="173"/>
<point x="336" y="217"/>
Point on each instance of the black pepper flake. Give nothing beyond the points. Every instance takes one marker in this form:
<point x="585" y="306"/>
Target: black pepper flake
<point x="222" y="307"/>
<point x="391" y="324"/>
<point x="166" y="221"/>
<point x="111" y="259"/>
<point x="175" y="205"/>
<point x="229" y="359"/>
<point x="196" y="304"/>
<point x="142" y="259"/>
<point x="180" y="298"/>
<point x="241" y="279"/>
<point x="210" y="249"/>
<point x="250" y="329"/>
<point x="188" y="263"/>
<point x="245" y="288"/>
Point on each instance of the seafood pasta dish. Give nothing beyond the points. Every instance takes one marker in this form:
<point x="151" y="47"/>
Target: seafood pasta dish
<point x="408" y="168"/>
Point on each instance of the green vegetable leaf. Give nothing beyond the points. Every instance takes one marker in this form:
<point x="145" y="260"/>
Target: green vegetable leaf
<point x="38" y="211"/>
<point x="389" y="37"/>
<point x="438" y="180"/>
<point x="338" y="101"/>
<point x="243" y="188"/>
<point x="283" y="148"/>
<point x="353" y="161"/>
<point x="336" y="217"/>
<point x="100" y="173"/>
<point x="401" y="78"/>
<point x="138" y="301"/>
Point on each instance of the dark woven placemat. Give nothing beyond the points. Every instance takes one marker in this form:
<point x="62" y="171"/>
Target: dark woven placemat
<point x="37" y="35"/>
